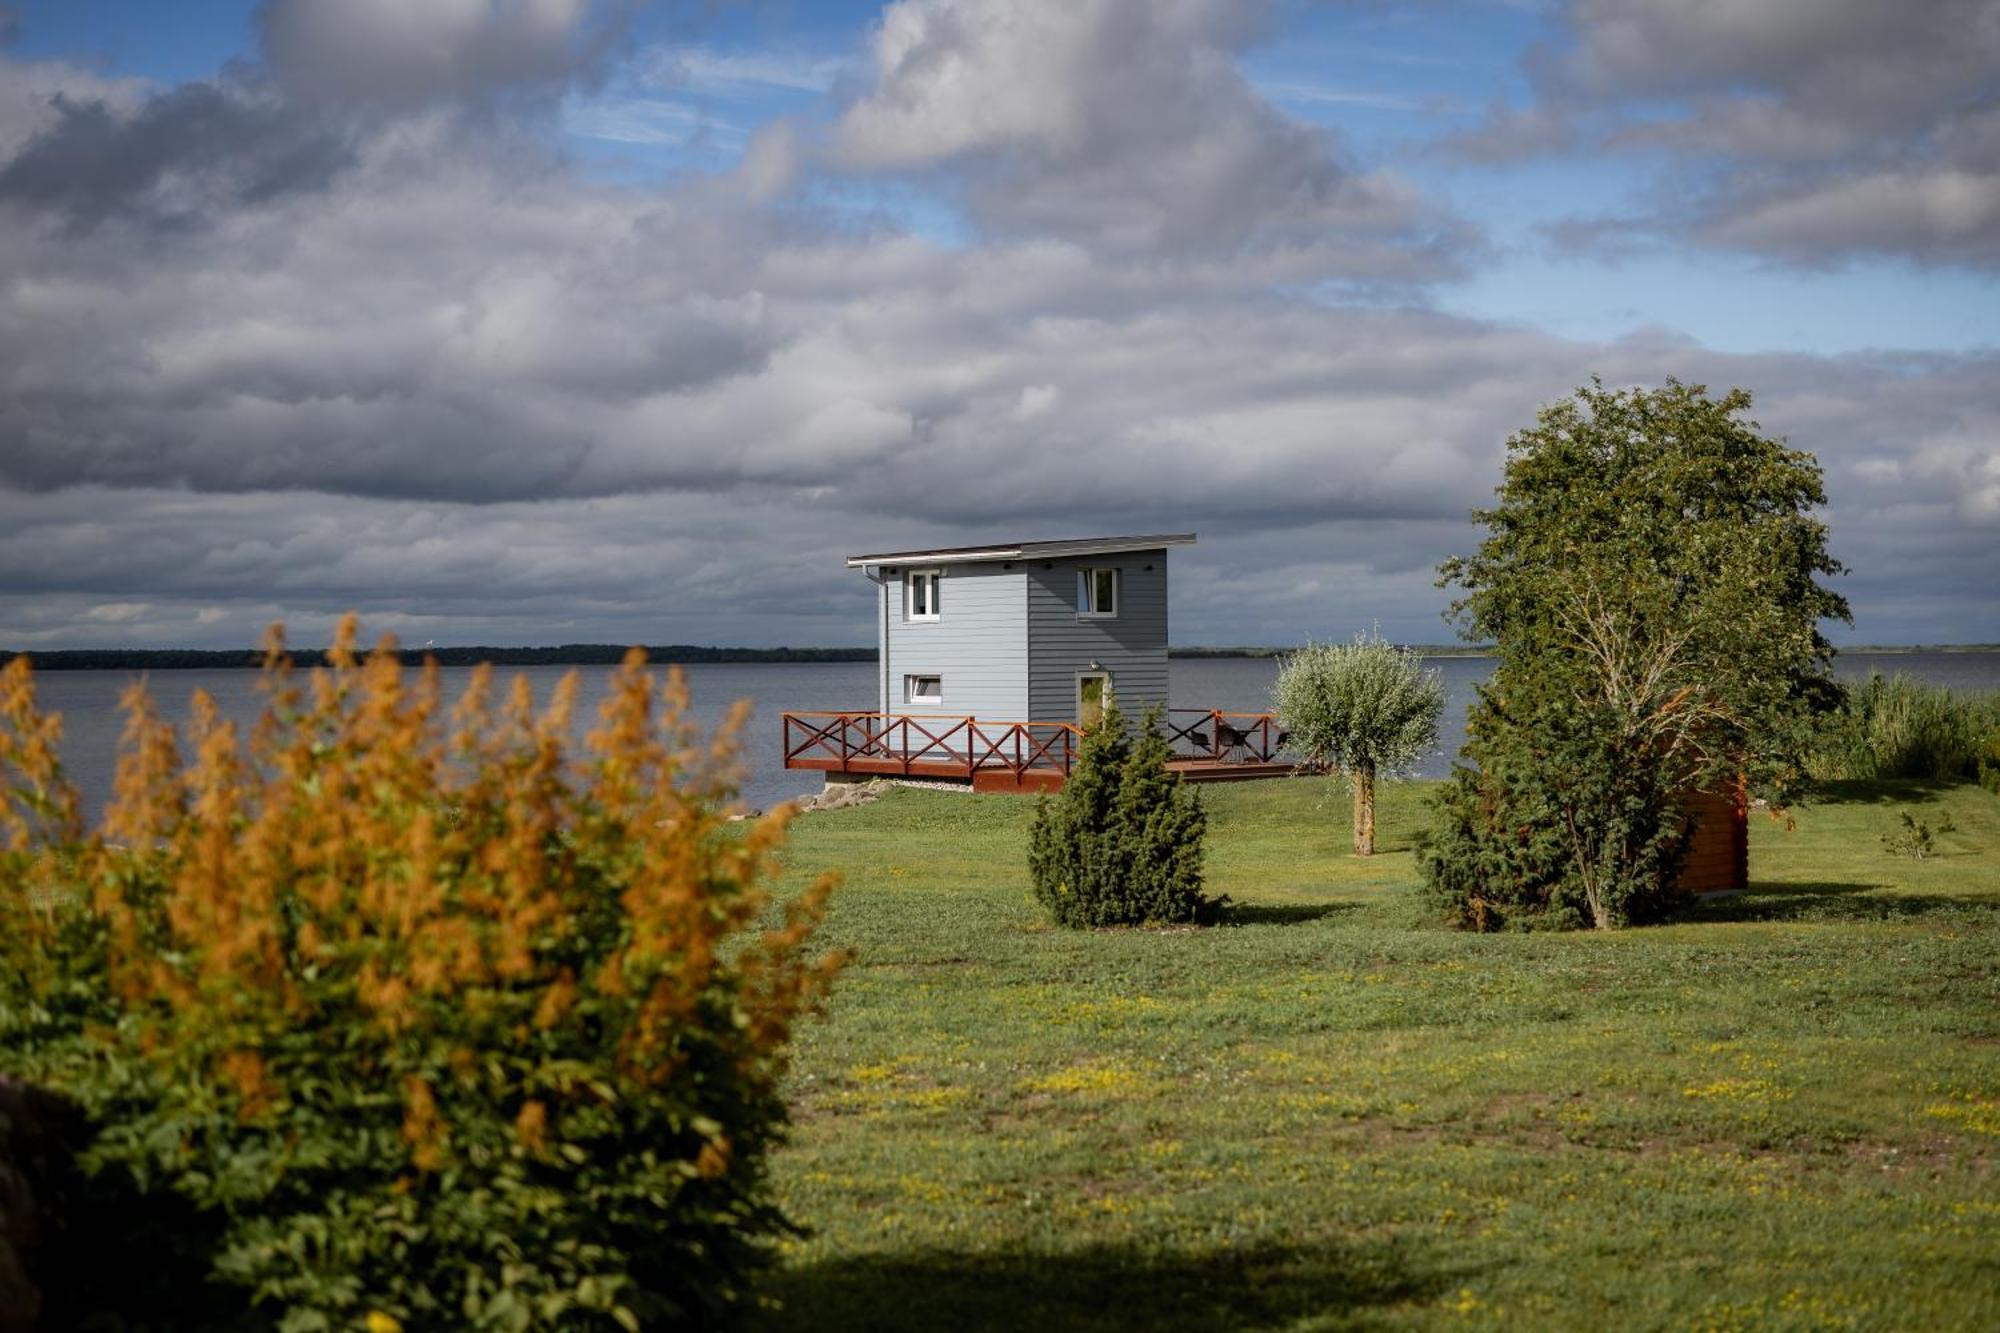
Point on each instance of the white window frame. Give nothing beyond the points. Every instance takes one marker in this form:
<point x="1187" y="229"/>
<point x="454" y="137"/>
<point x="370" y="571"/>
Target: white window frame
<point x="1087" y="575"/>
<point x="935" y="578"/>
<point x="910" y="694"/>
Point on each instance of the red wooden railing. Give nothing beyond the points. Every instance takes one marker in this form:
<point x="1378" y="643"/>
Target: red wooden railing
<point x="1225" y="738"/>
<point x="968" y="744"/>
<point x="899" y="743"/>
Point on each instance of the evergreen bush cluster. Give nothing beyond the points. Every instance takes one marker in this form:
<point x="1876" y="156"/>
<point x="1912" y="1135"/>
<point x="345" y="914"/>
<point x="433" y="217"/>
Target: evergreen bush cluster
<point x="400" y="1018"/>
<point x="1121" y="843"/>
<point x="1553" y="823"/>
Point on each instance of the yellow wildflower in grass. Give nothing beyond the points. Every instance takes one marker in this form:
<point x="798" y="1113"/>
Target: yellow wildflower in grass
<point x="875" y="1073"/>
<point x="378" y="1322"/>
<point x="1104" y="1079"/>
<point x="937" y="1099"/>
<point x="1981" y="1115"/>
<point x="1740" y="1090"/>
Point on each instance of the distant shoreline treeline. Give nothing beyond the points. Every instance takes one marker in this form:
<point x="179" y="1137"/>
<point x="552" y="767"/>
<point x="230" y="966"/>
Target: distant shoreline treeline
<point x="568" y="654"/>
<point x="1421" y="649"/>
<point x="609" y="654"/>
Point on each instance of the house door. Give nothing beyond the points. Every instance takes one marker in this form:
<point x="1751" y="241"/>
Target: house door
<point x="1093" y="691"/>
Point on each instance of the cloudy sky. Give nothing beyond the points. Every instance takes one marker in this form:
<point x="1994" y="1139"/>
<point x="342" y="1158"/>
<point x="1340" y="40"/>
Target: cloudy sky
<point x="532" y="321"/>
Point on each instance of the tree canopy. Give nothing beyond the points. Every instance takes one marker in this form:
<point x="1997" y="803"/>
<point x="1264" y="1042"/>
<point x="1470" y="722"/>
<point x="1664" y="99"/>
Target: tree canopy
<point x="1655" y="555"/>
<point x="1650" y="579"/>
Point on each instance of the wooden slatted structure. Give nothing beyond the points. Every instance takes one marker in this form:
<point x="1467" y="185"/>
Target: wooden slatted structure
<point x="1718" y="861"/>
<point x="1208" y="744"/>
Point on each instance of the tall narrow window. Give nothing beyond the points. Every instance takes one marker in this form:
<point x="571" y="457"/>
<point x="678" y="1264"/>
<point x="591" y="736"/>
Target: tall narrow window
<point x="1097" y="592"/>
<point x="920" y="590"/>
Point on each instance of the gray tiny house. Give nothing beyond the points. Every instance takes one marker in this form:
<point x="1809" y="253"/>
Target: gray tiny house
<point x="993" y="659"/>
<point x="1023" y="631"/>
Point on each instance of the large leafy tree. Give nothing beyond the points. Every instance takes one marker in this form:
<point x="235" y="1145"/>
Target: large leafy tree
<point x="1651" y="580"/>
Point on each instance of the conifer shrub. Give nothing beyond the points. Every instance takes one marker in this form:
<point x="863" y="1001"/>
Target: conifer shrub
<point x="406" y="1017"/>
<point x="1552" y="826"/>
<point x="1121" y="843"/>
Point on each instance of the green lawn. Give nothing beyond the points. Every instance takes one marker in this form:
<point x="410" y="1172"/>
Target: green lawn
<point x="1781" y="1113"/>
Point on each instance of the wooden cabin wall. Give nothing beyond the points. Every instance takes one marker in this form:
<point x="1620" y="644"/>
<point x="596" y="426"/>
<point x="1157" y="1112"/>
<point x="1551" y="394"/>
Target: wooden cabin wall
<point x="1719" y="859"/>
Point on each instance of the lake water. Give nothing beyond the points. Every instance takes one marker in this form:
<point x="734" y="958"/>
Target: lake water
<point x="88" y="701"/>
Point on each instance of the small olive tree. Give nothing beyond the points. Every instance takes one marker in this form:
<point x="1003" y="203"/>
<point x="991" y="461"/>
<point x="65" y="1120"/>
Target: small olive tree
<point x="1366" y="707"/>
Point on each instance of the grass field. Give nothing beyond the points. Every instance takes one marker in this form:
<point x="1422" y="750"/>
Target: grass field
<point x="1783" y="1112"/>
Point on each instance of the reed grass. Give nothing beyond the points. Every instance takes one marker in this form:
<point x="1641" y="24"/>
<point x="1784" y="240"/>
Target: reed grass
<point x="1901" y="726"/>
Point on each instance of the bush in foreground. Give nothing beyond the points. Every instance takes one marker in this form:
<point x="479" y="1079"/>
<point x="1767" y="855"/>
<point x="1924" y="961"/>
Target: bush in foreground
<point x="426" y="1023"/>
<point x="1121" y="843"/>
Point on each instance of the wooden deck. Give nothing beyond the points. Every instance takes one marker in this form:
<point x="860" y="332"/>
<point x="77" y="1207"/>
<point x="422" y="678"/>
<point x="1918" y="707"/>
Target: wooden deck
<point x="1208" y="745"/>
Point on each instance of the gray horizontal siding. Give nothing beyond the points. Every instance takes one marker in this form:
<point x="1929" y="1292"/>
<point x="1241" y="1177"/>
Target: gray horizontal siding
<point x="1132" y="646"/>
<point x="979" y="645"/>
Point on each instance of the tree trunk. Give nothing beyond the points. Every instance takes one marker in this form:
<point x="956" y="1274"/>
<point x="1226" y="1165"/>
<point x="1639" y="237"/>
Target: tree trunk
<point x="1364" y="809"/>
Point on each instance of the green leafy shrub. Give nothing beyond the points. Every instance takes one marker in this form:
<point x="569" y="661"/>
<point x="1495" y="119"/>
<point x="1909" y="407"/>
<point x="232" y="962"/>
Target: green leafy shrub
<point x="422" y="1022"/>
<point x="1121" y="843"/>
<point x="1913" y="838"/>
<point x="1903" y="727"/>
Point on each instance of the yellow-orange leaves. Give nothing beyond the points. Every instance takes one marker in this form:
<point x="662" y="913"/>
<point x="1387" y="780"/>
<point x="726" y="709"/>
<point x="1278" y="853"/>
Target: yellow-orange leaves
<point x="374" y="876"/>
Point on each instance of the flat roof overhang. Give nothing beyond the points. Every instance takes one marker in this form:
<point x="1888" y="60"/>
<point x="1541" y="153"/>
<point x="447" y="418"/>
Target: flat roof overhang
<point x="961" y="555"/>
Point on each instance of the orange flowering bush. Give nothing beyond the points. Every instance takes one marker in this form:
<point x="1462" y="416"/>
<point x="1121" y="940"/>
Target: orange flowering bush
<point x="428" y="1020"/>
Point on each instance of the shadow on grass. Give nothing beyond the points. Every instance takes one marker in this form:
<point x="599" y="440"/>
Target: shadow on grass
<point x="1881" y="791"/>
<point x="1100" y="1288"/>
<point x="1282" y="914"/>
<point x="1830" y="901"/>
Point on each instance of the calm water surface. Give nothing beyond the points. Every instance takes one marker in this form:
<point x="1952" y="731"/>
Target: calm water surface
<point x="88" y="701"/>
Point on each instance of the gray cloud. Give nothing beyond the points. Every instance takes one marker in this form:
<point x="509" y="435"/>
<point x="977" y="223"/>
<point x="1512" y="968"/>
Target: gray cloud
<point x="1126" y="125"/>
<point x="172" y="159"/>
<point x="480" y="398"/>
<point x="392" y="53"/>
<point x="1805" y="130"/>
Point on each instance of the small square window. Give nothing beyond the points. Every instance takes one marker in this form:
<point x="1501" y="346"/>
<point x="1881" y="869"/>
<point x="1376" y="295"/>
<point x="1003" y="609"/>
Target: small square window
<point x="920" y="595"/>
<point x="1097" y="593"/>
<point x="923" y="689"/>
